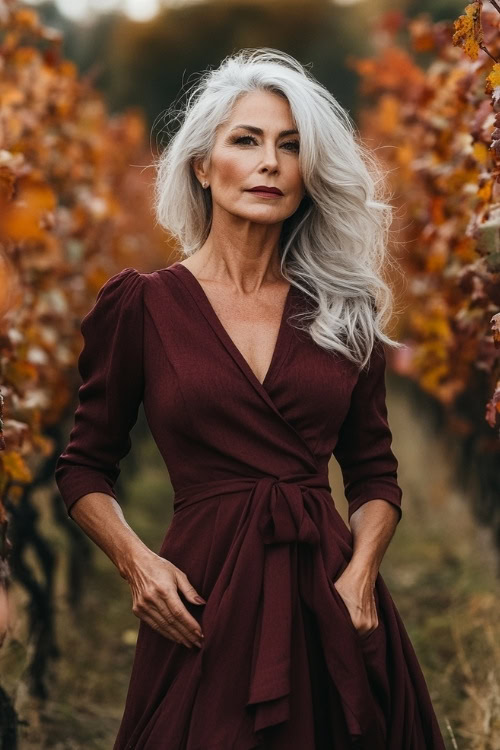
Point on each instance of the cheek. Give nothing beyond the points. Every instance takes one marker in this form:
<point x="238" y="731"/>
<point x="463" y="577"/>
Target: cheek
<point x="232" y="168"/>
<point x="294" y="175"/>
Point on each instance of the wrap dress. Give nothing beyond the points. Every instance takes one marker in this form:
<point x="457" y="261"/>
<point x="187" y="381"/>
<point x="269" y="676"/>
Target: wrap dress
<point x="255" y="527"/>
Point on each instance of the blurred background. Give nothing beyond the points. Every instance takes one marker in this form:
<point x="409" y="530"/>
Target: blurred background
<point x="141" y="52"/>
<point x="84" y="86"/>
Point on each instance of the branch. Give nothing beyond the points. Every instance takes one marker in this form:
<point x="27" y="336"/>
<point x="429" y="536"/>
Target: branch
<point x="485" y="49"/>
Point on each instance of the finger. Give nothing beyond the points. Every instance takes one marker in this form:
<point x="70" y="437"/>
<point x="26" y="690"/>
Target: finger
<point x="189" y="591"/>
<point x="171" y="610"/>
<point x="173" y="619"/>
<point x="185" y="620"/>
<point x="164" y="630"/>
<point x="169" y="622"/>
<point x="156" y="611"/>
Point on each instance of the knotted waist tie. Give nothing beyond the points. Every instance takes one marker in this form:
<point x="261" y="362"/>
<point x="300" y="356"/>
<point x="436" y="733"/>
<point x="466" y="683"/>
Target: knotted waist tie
<point x="276" y="508"/>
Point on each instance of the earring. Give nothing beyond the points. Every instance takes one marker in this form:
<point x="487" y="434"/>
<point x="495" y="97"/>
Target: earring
<point x="205" y="184"/>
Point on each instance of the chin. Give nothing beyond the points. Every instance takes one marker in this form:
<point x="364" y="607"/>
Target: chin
<point x="264" y="219"/>
<point x="262" y="216"/>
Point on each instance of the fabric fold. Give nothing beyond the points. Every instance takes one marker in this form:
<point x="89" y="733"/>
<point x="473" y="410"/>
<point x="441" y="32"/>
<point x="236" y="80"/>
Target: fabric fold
<point x="280" y="527"/>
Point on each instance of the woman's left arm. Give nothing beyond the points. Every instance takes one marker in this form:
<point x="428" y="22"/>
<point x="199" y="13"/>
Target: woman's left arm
<point x="373" y="526"/>
<point x="369" y="469"/>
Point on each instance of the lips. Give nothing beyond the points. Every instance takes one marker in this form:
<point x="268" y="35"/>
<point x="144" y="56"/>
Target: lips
<point x="263" y="189"/>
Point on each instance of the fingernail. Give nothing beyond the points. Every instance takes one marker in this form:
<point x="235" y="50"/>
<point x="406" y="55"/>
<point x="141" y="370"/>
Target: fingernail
<point x="199" y="599"/>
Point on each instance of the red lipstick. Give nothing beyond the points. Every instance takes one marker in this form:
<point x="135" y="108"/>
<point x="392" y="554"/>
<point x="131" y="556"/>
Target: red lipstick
<point x="264" y="189"/>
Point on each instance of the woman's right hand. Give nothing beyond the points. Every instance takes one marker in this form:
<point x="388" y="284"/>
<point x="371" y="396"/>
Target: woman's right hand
<point x="154" y="582"/>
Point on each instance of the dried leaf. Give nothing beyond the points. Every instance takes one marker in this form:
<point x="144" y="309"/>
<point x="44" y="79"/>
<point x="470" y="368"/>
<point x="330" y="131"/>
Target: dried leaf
<point x="468" y="31"/>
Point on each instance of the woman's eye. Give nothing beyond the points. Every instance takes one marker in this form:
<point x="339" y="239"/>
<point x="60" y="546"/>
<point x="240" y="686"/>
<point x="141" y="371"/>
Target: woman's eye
<point x="289" y="145"/>
<point x="245" y="138"/>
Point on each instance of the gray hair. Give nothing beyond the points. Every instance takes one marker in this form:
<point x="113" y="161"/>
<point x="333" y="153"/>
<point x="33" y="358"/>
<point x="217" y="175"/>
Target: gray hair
<point x="333" y="247"/>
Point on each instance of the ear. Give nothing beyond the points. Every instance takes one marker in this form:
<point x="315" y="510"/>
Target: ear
<point x="199" y="169"/>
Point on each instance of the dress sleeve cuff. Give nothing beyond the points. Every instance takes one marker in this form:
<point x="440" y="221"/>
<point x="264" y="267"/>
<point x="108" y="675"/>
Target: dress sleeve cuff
<point x="390" y="492"/>
<point x="79" y="481"/>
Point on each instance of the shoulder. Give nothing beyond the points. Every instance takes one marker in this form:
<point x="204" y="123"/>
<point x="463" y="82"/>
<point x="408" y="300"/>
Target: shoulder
<point x="162" y="285"/>
<point x="113" y="332"/>
<point x="119" y="299"/>
<point x="374" y="369"/>
<point x="125" y="285"/>
<point x="131" y="290"/>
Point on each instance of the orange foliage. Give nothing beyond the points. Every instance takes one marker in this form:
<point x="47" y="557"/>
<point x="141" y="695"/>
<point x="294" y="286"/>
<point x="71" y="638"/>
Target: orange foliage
<point x="443" y="125"/>
<point x="73" y="211"/>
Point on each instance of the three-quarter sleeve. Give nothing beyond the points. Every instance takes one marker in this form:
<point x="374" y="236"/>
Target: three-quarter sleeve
<point x="111" y="369"/>
<point x="363" y="450"/>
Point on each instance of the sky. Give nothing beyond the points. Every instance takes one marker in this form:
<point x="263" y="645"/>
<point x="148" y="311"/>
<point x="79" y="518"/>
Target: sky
<point x="138" y="10"/>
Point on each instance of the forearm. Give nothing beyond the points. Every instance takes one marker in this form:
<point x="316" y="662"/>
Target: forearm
<point x="373" y="526"/>
<point x="102" y="519"/>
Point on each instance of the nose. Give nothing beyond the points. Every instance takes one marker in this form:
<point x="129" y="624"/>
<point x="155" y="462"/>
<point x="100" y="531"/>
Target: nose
<point x="269" y="159"/>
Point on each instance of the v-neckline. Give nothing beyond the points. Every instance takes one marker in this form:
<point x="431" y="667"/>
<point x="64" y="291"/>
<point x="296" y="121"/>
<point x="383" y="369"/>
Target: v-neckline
<point x="279" y="348"/>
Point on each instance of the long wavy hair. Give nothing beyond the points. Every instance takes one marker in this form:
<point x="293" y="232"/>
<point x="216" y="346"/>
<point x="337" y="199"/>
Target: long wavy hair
<point x="334" y="247"/>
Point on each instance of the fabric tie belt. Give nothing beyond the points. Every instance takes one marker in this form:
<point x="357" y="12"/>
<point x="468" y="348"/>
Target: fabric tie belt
<point x="274" y="518"/>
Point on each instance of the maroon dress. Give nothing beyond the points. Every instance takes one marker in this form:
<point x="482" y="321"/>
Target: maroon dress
<point x="255" y="527"/>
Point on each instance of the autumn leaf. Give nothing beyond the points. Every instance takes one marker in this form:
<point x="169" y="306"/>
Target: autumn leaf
<point x="493" y="79"/>
<point x="468" y="31"/>
<point x="15" y="467"/>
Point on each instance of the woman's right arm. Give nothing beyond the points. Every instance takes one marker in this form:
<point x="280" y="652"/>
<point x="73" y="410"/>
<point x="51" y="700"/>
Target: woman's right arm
<point x="111" y="368"/>
<point x="153" y="580"/>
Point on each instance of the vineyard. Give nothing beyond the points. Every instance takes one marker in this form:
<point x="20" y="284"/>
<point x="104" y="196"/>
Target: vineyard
<point x="75" y="208"/>
<point x="73" y="212"/>
<point x="438" y="129"/>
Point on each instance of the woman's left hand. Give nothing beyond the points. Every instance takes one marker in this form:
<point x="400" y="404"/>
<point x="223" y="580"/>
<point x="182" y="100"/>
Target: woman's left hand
<point x="357" y="594"/>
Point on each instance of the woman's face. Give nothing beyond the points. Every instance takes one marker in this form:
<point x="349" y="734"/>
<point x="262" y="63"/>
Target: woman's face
<point x="258" y="146"/>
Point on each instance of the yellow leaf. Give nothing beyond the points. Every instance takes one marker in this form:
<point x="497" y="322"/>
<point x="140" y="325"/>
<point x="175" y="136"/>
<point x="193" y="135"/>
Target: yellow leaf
<point x="484" y="192"/>
<point x="480" y="152"/>
<point x="468" y="32"/>
<point x="44" y="444"/>
<point x="15" y="467"/>
<point x="493" y="79"/>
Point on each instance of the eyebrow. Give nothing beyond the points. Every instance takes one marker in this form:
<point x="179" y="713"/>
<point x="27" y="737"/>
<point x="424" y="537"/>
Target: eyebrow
<point x="259" y="131"/>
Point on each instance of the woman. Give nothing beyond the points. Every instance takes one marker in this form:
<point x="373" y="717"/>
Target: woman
<point x="263" y="619"/>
